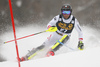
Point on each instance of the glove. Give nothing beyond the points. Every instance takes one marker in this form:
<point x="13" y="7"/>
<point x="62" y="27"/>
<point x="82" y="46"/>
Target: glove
<point x="52" y="29"/>
<point x="80" y="45"/>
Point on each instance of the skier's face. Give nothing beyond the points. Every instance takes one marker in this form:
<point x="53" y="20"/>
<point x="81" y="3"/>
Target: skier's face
<point x="66" y="14"/>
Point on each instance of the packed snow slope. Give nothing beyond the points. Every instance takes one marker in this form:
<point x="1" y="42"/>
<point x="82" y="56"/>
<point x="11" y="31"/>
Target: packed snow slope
<point x="85" y="58"/>
<point x="89" y="57"/>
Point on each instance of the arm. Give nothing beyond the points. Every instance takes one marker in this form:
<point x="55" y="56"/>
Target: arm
<point x="80" y="34"/>
<point x="78" y="28"/>
<point x="53" y="22"/>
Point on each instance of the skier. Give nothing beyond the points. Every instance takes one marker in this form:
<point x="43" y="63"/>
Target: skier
<point x="63" y="26"/>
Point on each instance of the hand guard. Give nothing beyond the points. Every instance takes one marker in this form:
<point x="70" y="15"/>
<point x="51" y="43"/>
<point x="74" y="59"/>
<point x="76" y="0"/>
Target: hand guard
<point x="52" y="29"/>
<point x="80" y="45"/>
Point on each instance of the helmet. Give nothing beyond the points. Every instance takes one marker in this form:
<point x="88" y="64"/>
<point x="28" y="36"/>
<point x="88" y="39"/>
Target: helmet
<point x="66" y="7"/>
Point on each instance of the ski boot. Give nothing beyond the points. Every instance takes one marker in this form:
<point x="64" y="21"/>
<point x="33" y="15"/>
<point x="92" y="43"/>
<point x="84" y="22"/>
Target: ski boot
<point x="50" y="53"/>
<point x="23" y="59"/>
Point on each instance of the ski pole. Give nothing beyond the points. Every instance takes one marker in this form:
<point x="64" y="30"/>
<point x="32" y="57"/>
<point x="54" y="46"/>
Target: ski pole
<point x="65" y="45"/>
<point x="25" y="37"/>
<point x="51" y="29"/>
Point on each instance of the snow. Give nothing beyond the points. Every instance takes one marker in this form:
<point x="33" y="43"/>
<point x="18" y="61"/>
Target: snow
<point x="19" y="3"/>
<point x="85" y="58"/>
<point x="2" y="13"/>
<point x="63" y="58"/>
<point x="80" y="8"/>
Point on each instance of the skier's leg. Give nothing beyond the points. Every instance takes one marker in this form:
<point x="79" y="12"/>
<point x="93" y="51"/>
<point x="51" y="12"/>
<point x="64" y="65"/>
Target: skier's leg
<point x="57" y="45"/>
<point x="32" y="53"/>
<point x="48" y="42"/>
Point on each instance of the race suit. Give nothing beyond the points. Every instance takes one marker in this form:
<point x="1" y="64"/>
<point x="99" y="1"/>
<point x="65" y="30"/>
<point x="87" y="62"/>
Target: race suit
<point x="65" y="27"/>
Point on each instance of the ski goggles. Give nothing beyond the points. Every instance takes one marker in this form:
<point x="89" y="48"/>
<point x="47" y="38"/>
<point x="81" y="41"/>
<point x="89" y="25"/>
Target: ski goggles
<point x="66" y="12"/>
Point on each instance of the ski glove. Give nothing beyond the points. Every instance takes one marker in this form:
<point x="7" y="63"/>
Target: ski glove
<point x="80" y="45"/>
<point x="52" y="29"/>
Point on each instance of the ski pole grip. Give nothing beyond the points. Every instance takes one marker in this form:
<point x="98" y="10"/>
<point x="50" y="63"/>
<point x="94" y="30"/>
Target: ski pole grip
<point x="4" y="42"/>
<point x="52" y="29"/>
